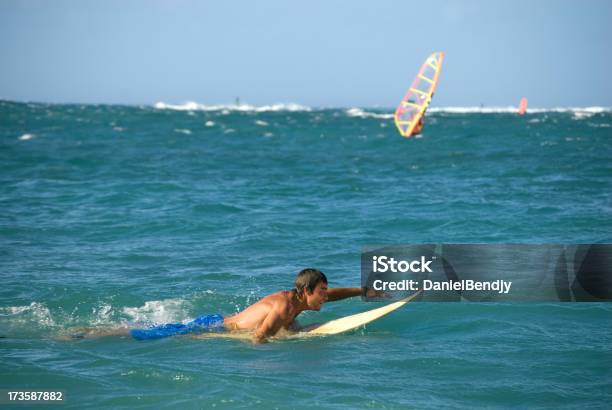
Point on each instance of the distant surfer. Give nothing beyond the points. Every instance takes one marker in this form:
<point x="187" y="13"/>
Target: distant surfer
<point x="522" y="106"/>
<point x="265" y="318"/>
<point x="408" y="116"/>
<point x="418" y="127"/>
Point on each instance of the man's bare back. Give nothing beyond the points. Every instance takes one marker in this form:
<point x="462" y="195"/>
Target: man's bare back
<point x="278" y="311"/>
<point x="253" y="316"/>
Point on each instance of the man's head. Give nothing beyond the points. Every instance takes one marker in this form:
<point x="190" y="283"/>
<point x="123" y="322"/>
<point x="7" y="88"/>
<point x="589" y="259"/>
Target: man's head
<point x="311" y="285"/>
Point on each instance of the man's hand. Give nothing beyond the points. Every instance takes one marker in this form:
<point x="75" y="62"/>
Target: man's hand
<point x="372" y="293"/>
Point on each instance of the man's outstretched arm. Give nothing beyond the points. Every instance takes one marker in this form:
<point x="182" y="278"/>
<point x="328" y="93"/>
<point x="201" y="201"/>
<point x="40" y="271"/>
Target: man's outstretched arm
<point x="334" y="294"/>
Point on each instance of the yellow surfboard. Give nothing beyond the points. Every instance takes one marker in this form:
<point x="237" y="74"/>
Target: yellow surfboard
<point x="344" y="324"/>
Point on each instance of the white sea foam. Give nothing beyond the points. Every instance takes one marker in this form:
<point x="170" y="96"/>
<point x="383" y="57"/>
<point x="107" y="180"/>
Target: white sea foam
<point x="193" y="106"/>
<point x="103" y="314"/>
<point x="210" y="123"/>
<point x="582" y="115"/>
<point x="183" y="131"/>
<point x="261" y="123"/>
<point x="35" y="311"/>
<point x="159" y="311"/>
<point x="188" y="106"/>
<point x="360" y="113"/>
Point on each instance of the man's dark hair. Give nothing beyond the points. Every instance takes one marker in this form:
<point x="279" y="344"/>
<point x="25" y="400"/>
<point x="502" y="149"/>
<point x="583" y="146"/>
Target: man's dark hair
<point x="308" y="278"/>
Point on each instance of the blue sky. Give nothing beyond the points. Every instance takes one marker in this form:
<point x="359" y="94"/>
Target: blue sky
<point x="315" y="53"/>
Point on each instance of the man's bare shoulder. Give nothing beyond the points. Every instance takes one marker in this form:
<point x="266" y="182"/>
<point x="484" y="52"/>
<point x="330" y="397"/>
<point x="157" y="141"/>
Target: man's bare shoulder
<point x="279" y="300"/>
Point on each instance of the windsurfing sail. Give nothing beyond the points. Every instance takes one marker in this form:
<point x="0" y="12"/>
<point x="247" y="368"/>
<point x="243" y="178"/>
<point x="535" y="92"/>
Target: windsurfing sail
<point x="411" y="109"/>
<point x="523" y="106"/>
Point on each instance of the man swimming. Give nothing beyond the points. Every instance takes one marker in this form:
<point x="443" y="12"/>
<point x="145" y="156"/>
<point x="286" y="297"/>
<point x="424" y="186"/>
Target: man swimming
<point x="265" y="318"/>
<point x="279" y="310"/>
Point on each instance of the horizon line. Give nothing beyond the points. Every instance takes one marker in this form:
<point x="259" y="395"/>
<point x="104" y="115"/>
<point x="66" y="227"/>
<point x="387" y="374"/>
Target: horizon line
<point x="293" y="106"/>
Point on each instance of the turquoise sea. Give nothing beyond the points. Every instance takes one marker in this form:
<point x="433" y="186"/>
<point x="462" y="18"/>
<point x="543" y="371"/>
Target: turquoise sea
<point x="116" y="215"/>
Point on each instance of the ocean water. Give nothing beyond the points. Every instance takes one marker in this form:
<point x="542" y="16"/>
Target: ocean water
<point x="114" y="215"/>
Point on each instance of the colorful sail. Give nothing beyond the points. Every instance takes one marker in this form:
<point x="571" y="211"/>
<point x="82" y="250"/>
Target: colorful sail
<point x="523" y="106"/>
<point x="411" y="109"/>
